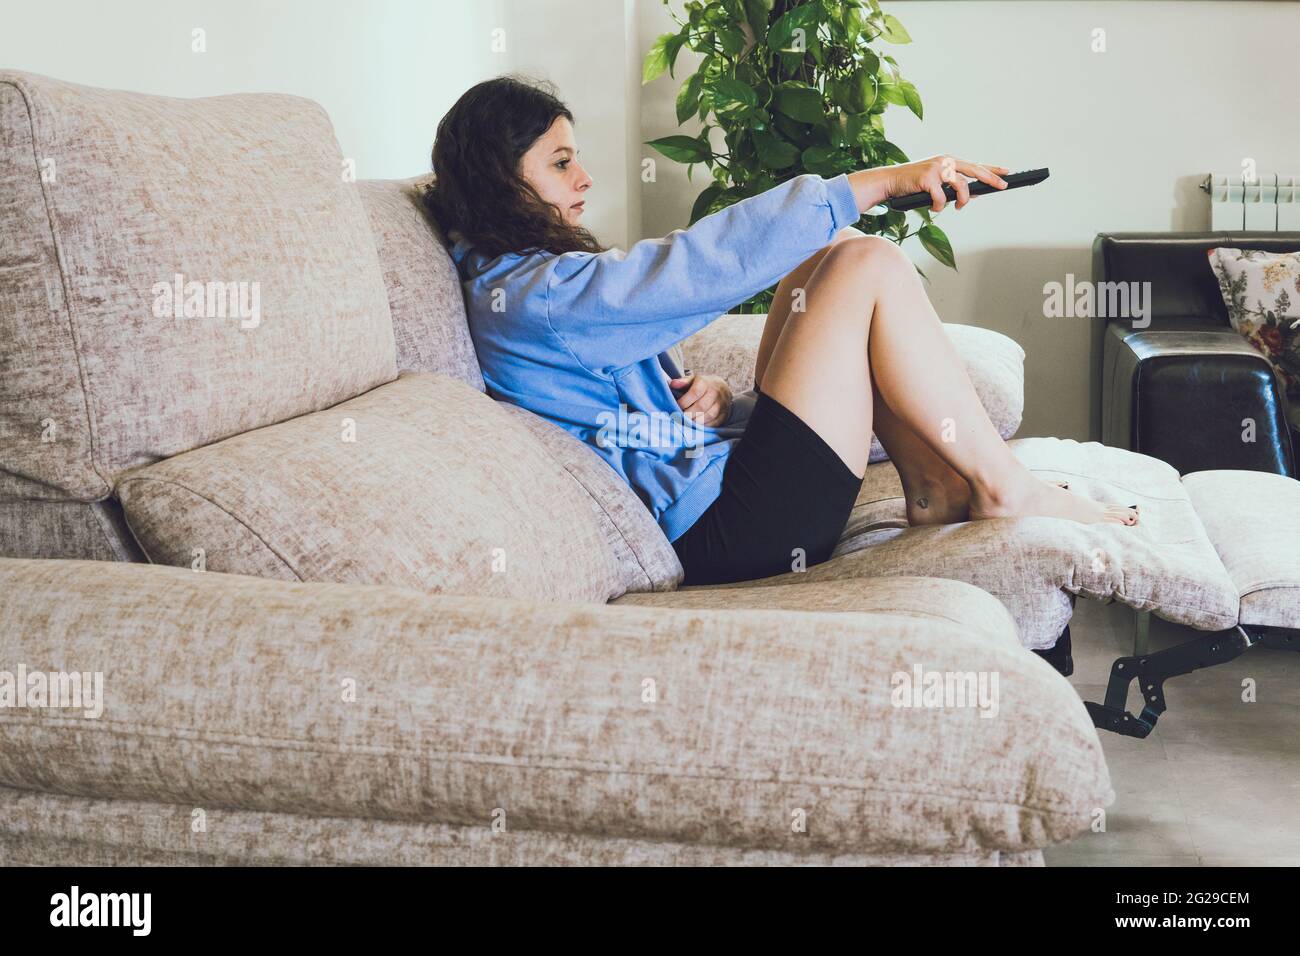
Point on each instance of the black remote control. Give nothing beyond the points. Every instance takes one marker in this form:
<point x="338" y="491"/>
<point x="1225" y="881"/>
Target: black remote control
<point x="977" y="188"/>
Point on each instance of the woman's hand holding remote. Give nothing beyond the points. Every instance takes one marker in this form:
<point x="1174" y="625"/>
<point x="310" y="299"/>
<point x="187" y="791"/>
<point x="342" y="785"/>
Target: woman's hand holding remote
<point x="873" y="186"/>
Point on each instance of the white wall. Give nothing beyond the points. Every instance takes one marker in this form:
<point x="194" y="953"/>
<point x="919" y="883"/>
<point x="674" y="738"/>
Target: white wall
<point x="1184" y="88"/>
<point x="386" y="72"/>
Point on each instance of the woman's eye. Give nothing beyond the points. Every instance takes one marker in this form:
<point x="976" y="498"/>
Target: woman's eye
<point x="562" y="163"/>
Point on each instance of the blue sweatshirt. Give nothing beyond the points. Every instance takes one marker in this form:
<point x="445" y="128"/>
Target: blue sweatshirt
<point x="583" y="339"/>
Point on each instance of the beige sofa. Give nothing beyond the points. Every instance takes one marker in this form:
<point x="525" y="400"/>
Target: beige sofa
<point x="348" y="608"/>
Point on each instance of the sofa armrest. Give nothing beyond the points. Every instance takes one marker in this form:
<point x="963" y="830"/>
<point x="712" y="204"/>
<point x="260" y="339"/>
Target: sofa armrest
<point x="729" y="345"/>
<point x="1183" y="392"/>
<point x="714" y="727"/>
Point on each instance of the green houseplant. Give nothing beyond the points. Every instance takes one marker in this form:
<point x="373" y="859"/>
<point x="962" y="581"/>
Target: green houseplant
<point x="795" y="87"/>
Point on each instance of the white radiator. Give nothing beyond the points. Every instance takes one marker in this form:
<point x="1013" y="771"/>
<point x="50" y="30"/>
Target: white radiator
<point x="1270" y="202"/>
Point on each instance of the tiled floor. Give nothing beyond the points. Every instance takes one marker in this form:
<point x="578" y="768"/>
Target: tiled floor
<point x="1218" y="780"/>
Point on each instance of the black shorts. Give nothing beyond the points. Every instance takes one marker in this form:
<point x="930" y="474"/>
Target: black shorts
<point x="786" y="496"/>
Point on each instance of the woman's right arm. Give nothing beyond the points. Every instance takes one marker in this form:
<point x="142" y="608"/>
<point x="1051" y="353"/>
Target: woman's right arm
<point x="616" y="308"/>
<point x="873" y="186"/>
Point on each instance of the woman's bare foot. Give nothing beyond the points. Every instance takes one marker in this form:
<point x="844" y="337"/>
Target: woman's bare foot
<point x="941" y="501"/>
<point x="1048" y="499"/>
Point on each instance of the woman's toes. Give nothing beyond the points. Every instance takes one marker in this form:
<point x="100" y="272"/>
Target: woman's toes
<point x="1116" y="513"/>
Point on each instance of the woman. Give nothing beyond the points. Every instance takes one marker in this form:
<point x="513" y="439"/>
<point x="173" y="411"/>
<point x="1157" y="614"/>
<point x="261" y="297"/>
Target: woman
<point x="743" y="486"/>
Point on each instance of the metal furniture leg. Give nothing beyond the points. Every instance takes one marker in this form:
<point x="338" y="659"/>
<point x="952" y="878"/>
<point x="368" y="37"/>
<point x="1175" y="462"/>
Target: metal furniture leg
<point x="1152" y="670"/>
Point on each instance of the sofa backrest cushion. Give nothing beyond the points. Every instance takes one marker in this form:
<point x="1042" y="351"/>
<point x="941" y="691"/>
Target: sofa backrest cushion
<point x="424" y="291"/>
<point x="423" y="483"/>
<point x="106" y="197"/>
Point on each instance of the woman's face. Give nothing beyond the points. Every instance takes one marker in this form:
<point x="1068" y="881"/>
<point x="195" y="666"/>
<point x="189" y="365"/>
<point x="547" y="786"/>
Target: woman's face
<point x="551" y="166"/>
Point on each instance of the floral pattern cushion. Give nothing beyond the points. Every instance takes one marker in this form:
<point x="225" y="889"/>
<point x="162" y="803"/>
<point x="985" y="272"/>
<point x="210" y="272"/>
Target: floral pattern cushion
<point x="1262" y="293"/>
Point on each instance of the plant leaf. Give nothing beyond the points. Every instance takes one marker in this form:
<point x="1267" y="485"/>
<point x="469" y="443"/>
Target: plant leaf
<point x="682" y="149"/>
<point x="936" y="243"/>
<point x="893" y="152"/>
<point x="828" y="161"/>
<point x="773" y="152"/>
<point x="731" y="98"/>
<point x="688" y="97"/>
<point x="757" y="12"/>
<point x="799" y="101"/>
<point x="892" y="92"/>
<point x="912" y="99"/>
<point x="731" y="41"/>
<point x="671" y="49"/>
<point x="656" y="61"/>
<point x="703" y="201"/>
<point x="804" y="17"/>
<point x="862" y="92"/>
<point x="894" y="31"/>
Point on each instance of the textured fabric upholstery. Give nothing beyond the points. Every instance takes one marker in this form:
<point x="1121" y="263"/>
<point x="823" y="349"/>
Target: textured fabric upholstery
<point x="100" y="211"/>
<point x="424" y="294"/>
<point x="1165" y="564"/>
<point x="717" y="728"/>
<point x="646" y="559"/>
<point x="36" y="828"/>
<point x="927" y="598"/>
<point x="94" y="531"/>
<point x="1253" y="518"/>
<point x="424" y="483"/>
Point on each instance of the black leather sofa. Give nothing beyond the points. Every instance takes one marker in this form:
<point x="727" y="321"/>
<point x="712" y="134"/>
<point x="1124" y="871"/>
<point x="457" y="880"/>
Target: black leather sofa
<point x="1180" y="388"/>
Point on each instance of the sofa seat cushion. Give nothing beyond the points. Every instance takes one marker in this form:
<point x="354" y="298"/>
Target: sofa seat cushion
<point x="995" y="363"/>
<point x="1166" y="564"/>
<point x="1253" y="518"/>
<point x="376" y="702"/>
<point x="936" y="599"/>
<point x="108" y="197"/>
<point x="423" y="483"/>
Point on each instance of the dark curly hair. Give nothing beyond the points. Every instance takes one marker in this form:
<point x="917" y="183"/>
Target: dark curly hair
<point x="478" y="190"/>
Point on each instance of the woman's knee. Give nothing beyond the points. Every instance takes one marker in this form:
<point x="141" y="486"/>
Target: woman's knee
<point x="868" y="259"/>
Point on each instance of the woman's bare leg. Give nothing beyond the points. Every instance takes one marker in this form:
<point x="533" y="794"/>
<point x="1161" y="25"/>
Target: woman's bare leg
<point x="933" y="491"/>
<point x="870" y="329"/>
<point x="789" y="289"/>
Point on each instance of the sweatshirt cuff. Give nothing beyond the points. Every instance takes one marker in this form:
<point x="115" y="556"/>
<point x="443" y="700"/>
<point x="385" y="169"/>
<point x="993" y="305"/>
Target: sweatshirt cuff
<point x="844" y="205"/>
